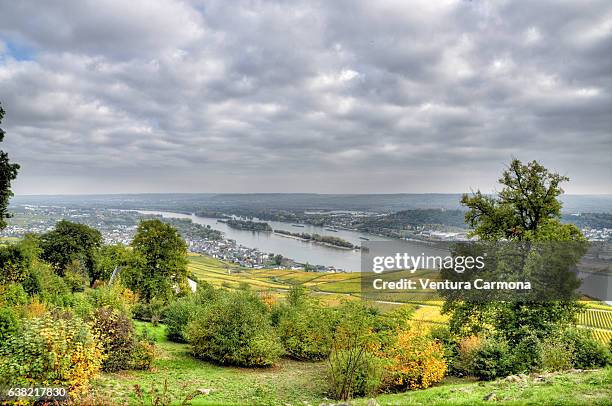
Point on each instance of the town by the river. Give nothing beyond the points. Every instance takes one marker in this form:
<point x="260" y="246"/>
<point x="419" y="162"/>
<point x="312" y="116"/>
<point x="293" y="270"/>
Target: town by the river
<point x="300" y="251"/>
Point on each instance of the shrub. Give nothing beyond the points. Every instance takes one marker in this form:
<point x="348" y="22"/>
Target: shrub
<point x="49" y="287"/>
<point x="235" y="330"/>
<point x="353" y="369"/>
<point x="156" y="306"/>
<point x="492" y="360"/>
<point x="48" y="352"/>
<point x="114" y="296"/>
<point x="54" y="289"/>
<point x="466" y="352"/>
<point x="81" y="305"/>
<point x="416" y="360"/>
<point x="75" y="277"/>
<point x="116" y="332"/>
<point x="13" y="295"/>
<point x="179" y="313"/>
<point x="143" y="354"/>
<point x="354" y="374"/>
<point x="15" y="260"/>
<point x="557" y="353"/>
<point x="588" y="352"/>
<point x="177" y="316"/>
<point x="35" y="309"/>
<point x="527" y="354"/>
<point x="141" y="311"/>
<point x="306" y="331"/>
<point x="9" y="323"/>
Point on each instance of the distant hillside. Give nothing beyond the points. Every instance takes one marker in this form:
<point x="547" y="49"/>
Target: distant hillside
<point x="191" y="202"/>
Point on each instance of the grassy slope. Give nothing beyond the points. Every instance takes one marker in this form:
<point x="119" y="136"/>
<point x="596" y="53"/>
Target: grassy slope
<point x="578" y="388"/>
<point x="289" y="381"/>
<point x="292" y="382"/>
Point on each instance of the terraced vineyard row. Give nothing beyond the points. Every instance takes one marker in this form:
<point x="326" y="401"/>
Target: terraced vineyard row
<point x="597" y="318"/>
<point x="602" y="335"/>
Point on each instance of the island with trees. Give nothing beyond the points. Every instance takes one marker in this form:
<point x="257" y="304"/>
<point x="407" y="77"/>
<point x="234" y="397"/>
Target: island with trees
<point x="321" y="239"/>
<point x="247" y="225"/>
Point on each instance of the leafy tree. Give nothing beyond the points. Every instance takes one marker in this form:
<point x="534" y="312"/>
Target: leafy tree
<point x="68" y="242"/>
<point x="109" y="257"/>
<point x="8" y="173"/>
<point x="527" y="207"/>
<point x="160" y="260"/>
<point x="16" y="260"/>
<point x="526" y="210"/>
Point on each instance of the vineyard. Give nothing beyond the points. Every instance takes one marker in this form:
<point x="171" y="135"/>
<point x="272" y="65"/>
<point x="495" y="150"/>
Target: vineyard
<point x="599" y="322"/>
<point x="599" y="319"/>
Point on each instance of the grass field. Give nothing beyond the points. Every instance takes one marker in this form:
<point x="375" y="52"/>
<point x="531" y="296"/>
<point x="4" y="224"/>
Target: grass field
<point x="288" y="382"/>
<point x="303" y="383"/>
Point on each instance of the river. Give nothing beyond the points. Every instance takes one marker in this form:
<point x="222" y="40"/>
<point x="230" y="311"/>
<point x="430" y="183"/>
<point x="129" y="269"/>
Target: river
<point x="598" y="285"/>
<point x="300" y="251"/>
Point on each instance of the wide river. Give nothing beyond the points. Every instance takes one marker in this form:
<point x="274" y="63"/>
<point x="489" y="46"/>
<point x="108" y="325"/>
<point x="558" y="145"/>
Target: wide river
<point x="300" y="251"/>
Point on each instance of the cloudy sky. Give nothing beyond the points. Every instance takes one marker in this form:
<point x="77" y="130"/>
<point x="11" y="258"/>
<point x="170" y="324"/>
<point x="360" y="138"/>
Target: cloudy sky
<point x="320" y="96"/>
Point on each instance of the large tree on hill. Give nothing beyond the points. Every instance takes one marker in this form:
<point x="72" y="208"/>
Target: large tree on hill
<point x="159" y="261"/>
<point x="8" y="173"/>
<point x="69" y="242"/>
<point x="527" y="208"/>
<point x="526" y="211"/>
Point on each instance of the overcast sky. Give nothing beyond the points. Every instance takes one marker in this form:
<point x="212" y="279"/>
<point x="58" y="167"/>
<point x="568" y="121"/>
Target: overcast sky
<point x="351" y="96"/>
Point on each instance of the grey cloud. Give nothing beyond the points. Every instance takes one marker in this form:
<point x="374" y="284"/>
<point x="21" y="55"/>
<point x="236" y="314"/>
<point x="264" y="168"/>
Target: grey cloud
<point x="340" y="96"/>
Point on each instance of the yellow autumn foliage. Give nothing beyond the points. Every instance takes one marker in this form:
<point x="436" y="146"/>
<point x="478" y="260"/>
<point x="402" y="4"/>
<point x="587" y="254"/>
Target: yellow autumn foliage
<point x="52" y="353"/>
<point x="416" y="361"/>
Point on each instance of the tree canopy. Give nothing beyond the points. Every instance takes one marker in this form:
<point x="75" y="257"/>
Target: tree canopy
<point x="526" y="211"/>
<point x="527" y="207"/>
<point x="69" y="242"/>
<point x="160" y="260"/>
<point x="8" y="173"/>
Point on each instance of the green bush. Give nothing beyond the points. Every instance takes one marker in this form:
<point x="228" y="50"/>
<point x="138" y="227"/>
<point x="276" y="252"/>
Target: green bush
<point x="557" y="353"/>
<point x="588" y="352"/>
<point x="114" y="296"/>
<point x="53" y="289"/>
<point x="443" y="335"/>
<point x="177" y="316"/>
<point x="492" y="360"/>
<point x="48" y="352"/>
<point x="151" y="311"/>
<point x="235" y="330"/>
<point x="15" y="260"/>
<point x="13" y="295"/>
<point x="306" y="331"/>
<point x="9" y="323"/>
<point x="75" y="277"/>
<point x="354" y="376"/>
<point x="116" y="332"/>
<point x="81" y="305"/>
<point x="526" y="355"/>
<point x="143" y="353"/>
<point x="353" y="368"/>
